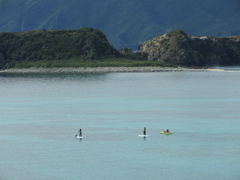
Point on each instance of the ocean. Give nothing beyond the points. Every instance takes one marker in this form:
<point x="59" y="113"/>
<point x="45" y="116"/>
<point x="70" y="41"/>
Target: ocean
<point x="40" y="114"/>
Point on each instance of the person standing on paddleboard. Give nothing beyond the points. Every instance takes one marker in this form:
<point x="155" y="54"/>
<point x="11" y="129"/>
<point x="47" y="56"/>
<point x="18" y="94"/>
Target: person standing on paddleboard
<point x="80" y="132"/>
<point x="144" y="131"/>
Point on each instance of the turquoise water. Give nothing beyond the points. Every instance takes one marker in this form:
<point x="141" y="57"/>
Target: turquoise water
<point x="41" y="114"/>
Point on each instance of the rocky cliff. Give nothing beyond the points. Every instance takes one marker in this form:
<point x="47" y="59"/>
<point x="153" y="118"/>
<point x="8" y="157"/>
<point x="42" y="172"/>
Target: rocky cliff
<point x="177" y="47"/>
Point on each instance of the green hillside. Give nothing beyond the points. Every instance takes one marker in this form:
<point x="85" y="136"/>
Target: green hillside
<point x="125" y="23"/>
<point x="48" y="46"/>
<point x="84" y="47"/>
<point x="88" y="47"/>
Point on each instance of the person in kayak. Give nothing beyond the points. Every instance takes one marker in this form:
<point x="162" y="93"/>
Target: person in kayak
<point x="144" y="131"/>
<point x="167" y="131"/>
<point x="80" y="132"/>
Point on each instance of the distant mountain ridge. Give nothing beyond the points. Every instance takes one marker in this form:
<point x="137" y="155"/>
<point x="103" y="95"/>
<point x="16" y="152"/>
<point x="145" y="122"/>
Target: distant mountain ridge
<point x="125" y="23"/>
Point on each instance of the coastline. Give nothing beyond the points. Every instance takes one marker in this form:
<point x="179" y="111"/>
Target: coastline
<point x="101" y="70"/>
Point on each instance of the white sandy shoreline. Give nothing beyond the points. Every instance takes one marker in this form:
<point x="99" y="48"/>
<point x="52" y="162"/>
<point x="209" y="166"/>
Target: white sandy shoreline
<point x="101" y="70"/>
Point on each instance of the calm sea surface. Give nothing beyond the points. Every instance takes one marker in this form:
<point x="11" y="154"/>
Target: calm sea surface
<point x="41" y="114"/>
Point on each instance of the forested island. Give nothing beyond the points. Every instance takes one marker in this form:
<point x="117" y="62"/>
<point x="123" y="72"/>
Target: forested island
<point x="84" y="47"/>
<point x="88" y="47"/>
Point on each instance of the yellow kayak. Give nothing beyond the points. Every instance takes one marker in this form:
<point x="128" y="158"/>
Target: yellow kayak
<point x="165" y="133"/>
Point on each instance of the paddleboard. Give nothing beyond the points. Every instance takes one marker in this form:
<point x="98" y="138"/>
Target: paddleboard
<point x="143" y="135"/>
<point x="165" y="133"/>
<point x="78" y="137"/>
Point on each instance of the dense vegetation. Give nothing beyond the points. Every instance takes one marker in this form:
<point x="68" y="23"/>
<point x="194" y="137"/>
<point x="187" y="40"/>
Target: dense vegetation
<point x="87" y="47"/>
<point x="125" y="23"/>
<point x="84" y="47"/>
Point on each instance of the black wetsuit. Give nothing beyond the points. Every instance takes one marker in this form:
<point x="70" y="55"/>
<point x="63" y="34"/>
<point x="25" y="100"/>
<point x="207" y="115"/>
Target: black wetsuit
<point x="144" y="131"/>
